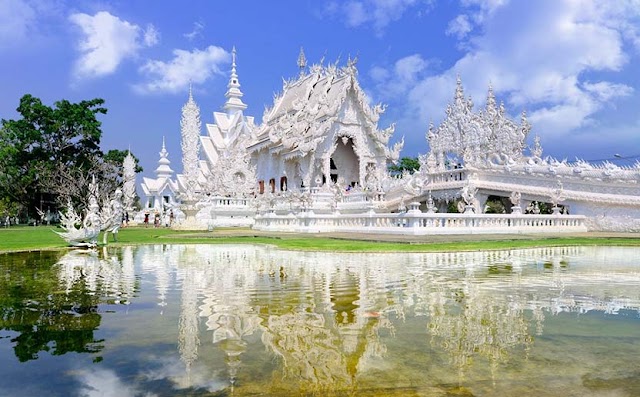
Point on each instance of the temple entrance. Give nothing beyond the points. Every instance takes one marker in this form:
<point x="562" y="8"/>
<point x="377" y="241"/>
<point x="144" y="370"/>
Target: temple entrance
<point x="333" y="171"/>
<point x="345" y="163"/>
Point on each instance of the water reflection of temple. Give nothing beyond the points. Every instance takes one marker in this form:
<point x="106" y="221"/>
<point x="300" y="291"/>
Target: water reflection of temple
<point x="327" y="318"/>
<point x="101" y="271"/>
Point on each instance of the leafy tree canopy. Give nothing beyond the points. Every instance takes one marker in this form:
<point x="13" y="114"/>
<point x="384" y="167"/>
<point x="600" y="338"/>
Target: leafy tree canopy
<point x="49" y="153"/>
<point x="46" y="139"/>
<point x="410" y="164"/>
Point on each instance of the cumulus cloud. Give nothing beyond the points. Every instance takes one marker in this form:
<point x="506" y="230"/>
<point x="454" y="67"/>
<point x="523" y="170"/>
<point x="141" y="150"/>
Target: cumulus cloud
<point x="549" y="63"/>
<point x="107" y="41"/>
<point x="16" y="19"/>
<point x="378" y="13"/>
<point x="404" y="73"/>
<point x="459" y="26"/>
<point x="195" y="66"/>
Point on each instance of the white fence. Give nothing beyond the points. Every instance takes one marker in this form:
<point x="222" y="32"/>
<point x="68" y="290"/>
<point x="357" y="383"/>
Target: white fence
<point x="418" y="223"/>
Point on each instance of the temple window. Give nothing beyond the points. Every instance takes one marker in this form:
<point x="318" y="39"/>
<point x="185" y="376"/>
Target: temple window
<point x="261" y="187"/>
<point x="272" y="185"/>
<point x="283" y="183"/>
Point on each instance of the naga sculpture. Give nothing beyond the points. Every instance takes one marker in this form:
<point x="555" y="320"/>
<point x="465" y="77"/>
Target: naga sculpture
<point x="87" y="234"/>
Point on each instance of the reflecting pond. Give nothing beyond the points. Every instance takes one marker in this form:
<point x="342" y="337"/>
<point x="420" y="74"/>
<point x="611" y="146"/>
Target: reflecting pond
<point x="243" y="320"/>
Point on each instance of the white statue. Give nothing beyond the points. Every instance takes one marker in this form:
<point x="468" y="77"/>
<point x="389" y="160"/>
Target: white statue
<point x="515" y="198"/>
<point x="112" y="217"/>
<point x="431" y="208"/>
<point x="87" y="235"/>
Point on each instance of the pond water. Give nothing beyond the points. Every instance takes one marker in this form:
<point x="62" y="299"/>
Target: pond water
<point x="218" y="320"/>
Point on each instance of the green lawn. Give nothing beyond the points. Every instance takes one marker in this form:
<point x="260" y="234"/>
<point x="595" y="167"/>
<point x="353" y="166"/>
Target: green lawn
<point x="42" y="237"/>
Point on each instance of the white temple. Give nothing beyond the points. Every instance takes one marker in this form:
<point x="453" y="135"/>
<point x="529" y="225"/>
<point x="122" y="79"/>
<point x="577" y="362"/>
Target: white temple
<point x="320" y="129"/>
<point x="159" y="192"/>
<point x="318" y="163"/>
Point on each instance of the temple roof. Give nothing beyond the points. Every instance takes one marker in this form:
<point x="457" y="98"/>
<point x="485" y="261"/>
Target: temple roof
<point x="310" y="104"/>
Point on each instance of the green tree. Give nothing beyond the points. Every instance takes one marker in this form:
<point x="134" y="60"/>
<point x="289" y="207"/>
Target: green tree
<point x="410" y="164"/>
<point x="115" y="158"/>
<point x="45" y="142"/>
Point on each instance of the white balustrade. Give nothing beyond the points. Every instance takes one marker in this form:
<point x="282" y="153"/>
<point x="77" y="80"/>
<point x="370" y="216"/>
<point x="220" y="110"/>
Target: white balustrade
<point x="418" y="223"/>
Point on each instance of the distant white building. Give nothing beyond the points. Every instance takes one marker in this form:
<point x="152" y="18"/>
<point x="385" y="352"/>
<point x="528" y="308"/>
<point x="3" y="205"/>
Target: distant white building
<point x="160" y="193"/>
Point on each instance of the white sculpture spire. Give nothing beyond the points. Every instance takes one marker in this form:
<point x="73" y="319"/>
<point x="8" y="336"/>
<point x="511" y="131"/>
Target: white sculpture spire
<point x="491" y="100"/>
<point x="190" y="126"/>
<point x="234" y="102"/>
<point x="164" y="169"/>
<point x="128" y="181"/>
<point x="302" y="62"/>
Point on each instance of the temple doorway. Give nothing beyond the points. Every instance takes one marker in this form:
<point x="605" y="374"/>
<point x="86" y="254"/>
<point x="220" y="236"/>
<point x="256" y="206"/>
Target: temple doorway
<point x="345" y="163"/>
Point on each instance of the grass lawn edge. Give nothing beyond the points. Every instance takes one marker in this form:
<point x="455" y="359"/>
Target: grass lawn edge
<point x="42" y="238"/>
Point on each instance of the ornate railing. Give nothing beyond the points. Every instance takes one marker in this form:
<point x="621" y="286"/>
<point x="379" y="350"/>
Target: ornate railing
<point x="418" y="223"/>
<point x="228" y="202"/>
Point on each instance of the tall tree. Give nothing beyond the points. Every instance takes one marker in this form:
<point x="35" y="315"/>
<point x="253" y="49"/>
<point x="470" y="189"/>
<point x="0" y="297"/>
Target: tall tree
<point x="46" y="141"/>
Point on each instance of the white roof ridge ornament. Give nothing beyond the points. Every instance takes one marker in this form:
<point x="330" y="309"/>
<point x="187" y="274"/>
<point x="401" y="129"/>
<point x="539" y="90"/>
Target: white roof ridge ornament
<point x="302" y="62"/>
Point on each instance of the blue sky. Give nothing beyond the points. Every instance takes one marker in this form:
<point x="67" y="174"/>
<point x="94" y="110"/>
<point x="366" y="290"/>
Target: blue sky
<point x="572" y="65"/>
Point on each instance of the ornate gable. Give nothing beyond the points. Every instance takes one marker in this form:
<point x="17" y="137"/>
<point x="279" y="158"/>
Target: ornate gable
<point x="304" y="115"/>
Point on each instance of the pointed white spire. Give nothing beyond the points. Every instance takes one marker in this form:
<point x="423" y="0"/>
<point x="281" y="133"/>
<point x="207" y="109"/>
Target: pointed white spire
<point x="164" y="169"/>
<point x="190" y="127"/>
<point x="302" y="62"/>
<point x="234" y="102"/>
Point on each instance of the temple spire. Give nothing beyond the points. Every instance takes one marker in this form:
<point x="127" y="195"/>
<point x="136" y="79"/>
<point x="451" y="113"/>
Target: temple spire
<point x="234" y="102"/>
<point x="190" y="126"/>
<point x="164" y="169"/>
<point x="302" y="62"/>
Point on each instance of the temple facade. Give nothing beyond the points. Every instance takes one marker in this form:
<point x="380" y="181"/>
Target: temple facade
<point x="319" y="129"/>
<point x="318" y="163"/>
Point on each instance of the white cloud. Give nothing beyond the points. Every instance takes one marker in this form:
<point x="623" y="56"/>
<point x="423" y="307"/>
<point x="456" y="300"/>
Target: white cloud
<point x="151" y="36"/>
<point x="546" y="57"/>
<point x="17" y="21"/>
<point x="195" y="66"/>
<point x="104" y="383"/>
<point x="394" y="82"/>
<point x="407" y="68"/>
<point x="107" y="41"/>
<point x="378" y="13"/>
<point x="198" y="27"/>
<point x="355" y="13"/>
<point x="459" y="26"/>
